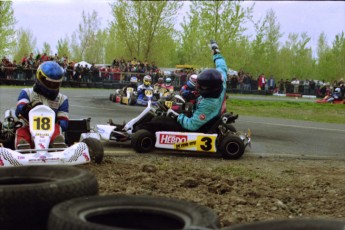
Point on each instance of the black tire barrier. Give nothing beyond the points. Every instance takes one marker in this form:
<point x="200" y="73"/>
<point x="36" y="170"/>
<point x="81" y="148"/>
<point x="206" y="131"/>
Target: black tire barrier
<point x="28" y="193"/>
<point x="292" y="224"/>
<point x="130" y="212"/>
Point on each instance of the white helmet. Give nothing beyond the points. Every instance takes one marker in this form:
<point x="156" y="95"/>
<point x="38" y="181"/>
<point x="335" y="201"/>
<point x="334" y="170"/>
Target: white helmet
<point x="134" y="79"/>
<point x="147" y="80"/>
<point x="337" y="90"/>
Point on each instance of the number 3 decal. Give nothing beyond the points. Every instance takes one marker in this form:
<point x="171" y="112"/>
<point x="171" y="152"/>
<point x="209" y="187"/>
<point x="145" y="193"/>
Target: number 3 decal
<point x="206" y="143"/>
<point x="207" y="146"/>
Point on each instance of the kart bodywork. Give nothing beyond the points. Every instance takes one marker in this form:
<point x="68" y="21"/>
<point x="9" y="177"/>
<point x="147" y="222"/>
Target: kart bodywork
<point x="42" y="124"/>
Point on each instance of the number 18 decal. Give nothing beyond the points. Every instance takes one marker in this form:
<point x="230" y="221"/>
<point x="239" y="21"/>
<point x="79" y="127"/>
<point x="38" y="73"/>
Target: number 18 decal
<point x="42" y="123"/>
<point x="206" y="144"/>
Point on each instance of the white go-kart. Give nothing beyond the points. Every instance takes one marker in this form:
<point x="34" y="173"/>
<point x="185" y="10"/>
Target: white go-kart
<point x="220" y="136"/>
<point x="42" y="124"/>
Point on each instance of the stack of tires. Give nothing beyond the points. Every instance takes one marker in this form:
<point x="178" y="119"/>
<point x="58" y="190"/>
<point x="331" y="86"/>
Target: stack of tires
<point x="66" y="198"/>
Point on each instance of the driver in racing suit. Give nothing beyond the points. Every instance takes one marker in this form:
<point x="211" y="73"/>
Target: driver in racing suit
<point x="336" y="96"/>
<point x="45" y="91"/>
<point x="211" y="84"/>
<point x="133" y="83"/>
<point x="189" y="91"/>
<point x="141" y="90"/>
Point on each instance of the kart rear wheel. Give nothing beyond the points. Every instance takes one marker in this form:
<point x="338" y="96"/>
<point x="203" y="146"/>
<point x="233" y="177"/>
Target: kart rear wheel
<point x="96" y="149"/>
<point x="111" y="97"/>
<point x="231" y="147"/>
<point x="143" y="141"/>
<point x="28" y="193"/>
<point x="131" y="212"/>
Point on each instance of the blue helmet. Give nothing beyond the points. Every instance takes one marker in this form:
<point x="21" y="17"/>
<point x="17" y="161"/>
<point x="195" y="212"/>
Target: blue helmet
<point x="48" y="79"/>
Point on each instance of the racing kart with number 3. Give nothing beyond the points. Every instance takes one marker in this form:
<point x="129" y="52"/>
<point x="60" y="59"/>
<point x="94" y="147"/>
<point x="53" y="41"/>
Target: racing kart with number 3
<point x="219" y="137"/>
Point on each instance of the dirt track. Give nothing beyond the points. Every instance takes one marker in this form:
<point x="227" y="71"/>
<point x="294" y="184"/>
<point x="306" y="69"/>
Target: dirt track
<point x="247" y="190"/>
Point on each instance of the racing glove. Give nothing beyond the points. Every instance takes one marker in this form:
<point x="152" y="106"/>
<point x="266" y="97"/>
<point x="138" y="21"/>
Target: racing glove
<point x="214" y="47"/>
<point x="27" y="107"/>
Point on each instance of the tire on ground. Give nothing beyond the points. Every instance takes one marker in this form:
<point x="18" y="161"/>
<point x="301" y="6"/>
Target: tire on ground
<point x="231" y="147"/>
<point x="130" y="212"/>
<point x="96" y="149"/>
<point x="28" y="193"/>
<point x="143" y="141"/>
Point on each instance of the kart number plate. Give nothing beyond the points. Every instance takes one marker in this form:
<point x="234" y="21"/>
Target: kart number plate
<point x="168" y="104"/>
<point x="201" y="143"/>
<point x="42" y="123"/>
<point x="148" y="93"/>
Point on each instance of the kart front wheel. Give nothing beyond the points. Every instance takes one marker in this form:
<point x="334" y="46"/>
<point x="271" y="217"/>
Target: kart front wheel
<point x="96" y="149"/>
<point x="131" y="100"/>
<point x="111" y="97"/>
<point x="231" y="147"/>
<point x="143" y="141"/>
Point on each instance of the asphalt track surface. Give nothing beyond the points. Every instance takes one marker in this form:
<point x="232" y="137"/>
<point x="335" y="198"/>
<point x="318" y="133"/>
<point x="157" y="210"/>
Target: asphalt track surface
<point x="270" y="136"/>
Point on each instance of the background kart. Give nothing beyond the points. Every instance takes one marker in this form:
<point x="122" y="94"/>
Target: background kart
<point x="42" y="125"/>
<point x="128" y="99"/>
<point x="324" y="101"/>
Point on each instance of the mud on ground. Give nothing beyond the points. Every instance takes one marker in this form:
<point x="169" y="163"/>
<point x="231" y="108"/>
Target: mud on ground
<point x="251" y="189"/>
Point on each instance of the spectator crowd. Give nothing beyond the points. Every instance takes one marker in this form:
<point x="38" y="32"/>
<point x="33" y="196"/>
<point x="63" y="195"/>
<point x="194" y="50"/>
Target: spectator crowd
<point x="122" y="70"/>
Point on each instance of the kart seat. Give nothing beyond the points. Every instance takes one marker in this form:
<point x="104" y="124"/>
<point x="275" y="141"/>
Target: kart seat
<point x="210" y="126"/>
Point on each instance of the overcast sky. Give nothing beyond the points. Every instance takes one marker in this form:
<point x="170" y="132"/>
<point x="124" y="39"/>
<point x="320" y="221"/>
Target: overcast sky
<point x="50" y="20"/>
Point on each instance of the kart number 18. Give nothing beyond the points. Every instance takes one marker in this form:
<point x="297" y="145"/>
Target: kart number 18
<point x="42" y="123"/>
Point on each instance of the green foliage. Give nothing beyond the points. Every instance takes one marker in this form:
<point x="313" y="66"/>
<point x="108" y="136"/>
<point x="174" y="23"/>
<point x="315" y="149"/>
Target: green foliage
<point x="63" y="47"/>
<point x="25" y="45"/>
<point x="7" y="32"/>
<point x="143" y="29"/>
<point x="46" y="49"/>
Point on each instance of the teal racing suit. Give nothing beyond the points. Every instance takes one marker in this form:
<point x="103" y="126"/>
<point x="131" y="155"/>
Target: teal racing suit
<point x="207" y="108"/>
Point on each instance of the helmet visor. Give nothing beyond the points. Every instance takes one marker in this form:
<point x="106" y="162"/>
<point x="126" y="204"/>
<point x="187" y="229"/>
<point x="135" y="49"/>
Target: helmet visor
<point x="48" y="82"/>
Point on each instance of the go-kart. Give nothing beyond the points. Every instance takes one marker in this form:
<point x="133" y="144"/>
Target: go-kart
<point x="41" y="121"/>
<point x="162" y="93"/>
<point x="326" y="100"/>
<point x="128" y="99"/>
<point x="221" y="137"/>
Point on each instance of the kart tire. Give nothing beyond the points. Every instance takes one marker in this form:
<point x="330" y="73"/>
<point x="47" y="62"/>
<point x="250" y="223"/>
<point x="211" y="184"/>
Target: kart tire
<point x="130" y="212"/>
<point x="231" y="147"/>
<point x="132" y="100"/>
<point x="143" y="141"/>
<point x="96" y="149"/>
<point x="28" y="193"/>
<point x="231" y="128"/>
<point x="111" y="97"/>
